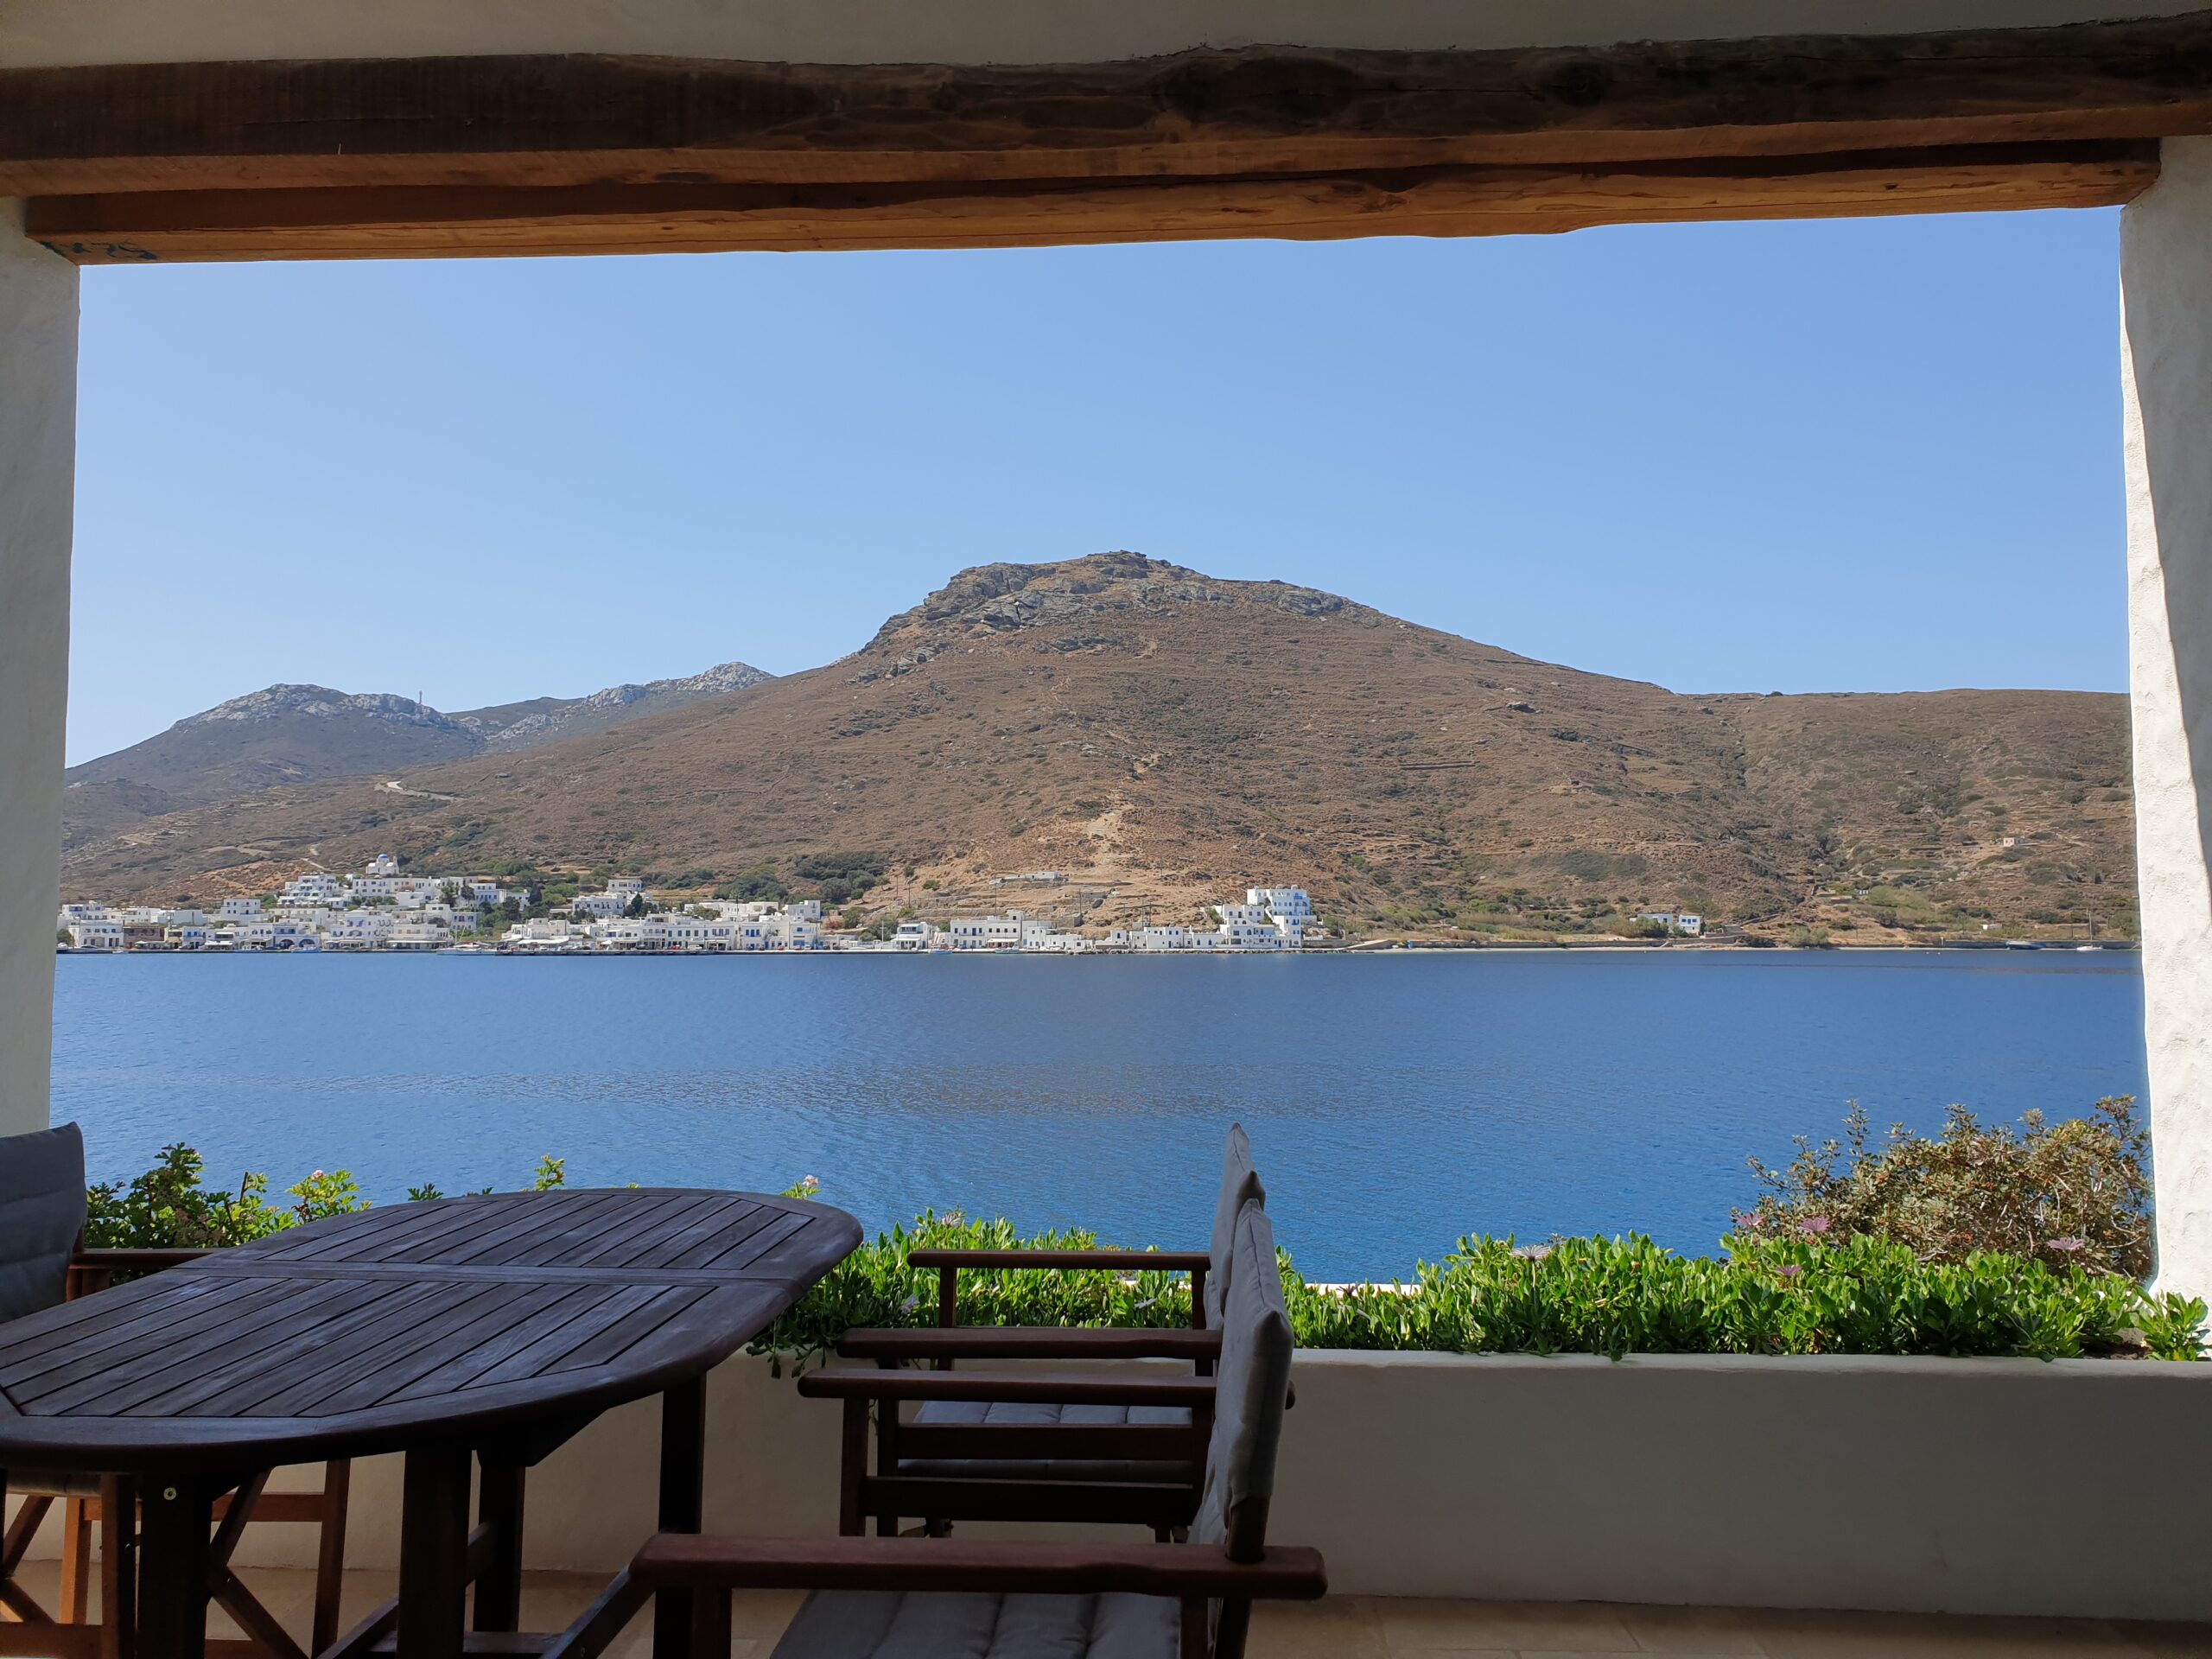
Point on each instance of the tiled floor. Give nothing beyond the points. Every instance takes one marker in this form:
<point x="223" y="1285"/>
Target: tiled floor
<point x="1362" y="1627"/>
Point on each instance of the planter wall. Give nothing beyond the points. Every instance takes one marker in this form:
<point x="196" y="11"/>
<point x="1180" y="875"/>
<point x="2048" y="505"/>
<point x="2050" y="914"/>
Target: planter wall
<point x="1979" y="1486"/>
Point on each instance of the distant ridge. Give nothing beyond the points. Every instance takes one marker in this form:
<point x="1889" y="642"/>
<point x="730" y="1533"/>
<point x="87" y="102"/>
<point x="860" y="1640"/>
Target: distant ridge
<point x="286" y="734"/>
<point x="1161" y="738"/>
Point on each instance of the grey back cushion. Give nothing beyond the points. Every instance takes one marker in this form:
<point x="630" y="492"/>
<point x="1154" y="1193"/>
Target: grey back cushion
<point x="1240" y="1185"/>
<point x="41" y="1213"/>
<point x="1251" y="1381"/>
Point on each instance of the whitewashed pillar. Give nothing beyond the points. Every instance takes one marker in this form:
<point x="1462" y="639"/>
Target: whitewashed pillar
<point x="2166" y="280"/>
<point x="38" y="452"/>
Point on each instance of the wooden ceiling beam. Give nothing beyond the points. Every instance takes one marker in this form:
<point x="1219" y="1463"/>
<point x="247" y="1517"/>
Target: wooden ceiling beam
<point x="415" y="223"/>
<point x="543" y="122"/>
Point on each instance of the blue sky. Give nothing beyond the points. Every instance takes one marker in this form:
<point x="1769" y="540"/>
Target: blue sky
<point x="1856" y="455"/>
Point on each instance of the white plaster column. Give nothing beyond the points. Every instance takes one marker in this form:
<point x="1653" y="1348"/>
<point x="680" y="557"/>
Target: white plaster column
<point x="38" y="452"/>
<point x="2166" y="280"/>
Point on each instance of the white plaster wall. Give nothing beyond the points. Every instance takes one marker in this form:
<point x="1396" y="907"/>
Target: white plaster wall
<point x="1979" y="1486"/>
<point x="2165" y="266"/>
<point x="944" y="31"/>
<point x="38" y="441"/>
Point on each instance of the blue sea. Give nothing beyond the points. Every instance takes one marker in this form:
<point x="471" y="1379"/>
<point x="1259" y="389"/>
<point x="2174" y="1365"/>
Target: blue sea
<point x="1396" y="1102"/>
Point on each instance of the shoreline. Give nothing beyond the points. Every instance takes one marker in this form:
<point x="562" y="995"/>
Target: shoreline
<point x="1378" y="948"/>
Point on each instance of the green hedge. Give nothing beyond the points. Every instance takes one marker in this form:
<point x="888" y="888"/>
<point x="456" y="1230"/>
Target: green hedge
<point x="1780" y="1287"/>
<point x="1798" y="1295"/>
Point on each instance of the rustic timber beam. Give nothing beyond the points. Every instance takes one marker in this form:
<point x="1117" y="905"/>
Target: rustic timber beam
<point x="409" y="223"/>
<point x="556" y="121"/>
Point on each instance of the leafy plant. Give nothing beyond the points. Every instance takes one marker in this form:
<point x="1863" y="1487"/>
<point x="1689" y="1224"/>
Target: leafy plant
<point x="167" y="1208"/>
<point x="2075" y="1193"/>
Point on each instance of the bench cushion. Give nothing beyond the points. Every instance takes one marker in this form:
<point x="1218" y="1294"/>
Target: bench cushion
<point x="895" y="1625"/>
<point x="42" y="1213"/>
<point x="969" y="1413"/>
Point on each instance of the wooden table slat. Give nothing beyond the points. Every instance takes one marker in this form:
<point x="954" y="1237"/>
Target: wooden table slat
<point x="448" y="1339"/>
<point x="295" y="1387"/>
<point x="396" y="1360"/>
<point x="156" y="1334"/>
<point x="702" y="1240"/>
<point x="548" y="1352"/>
<point x="317" y="1350"/>
<point x="632" y="1330"/>
<point x="544" y="1248"/>
<point x="286" y="1332"/>
<point x="503" y="1244"/>
<point x="646" y="1222"/>
<point x="381" y="1227"/>
<point x="749" y="1256"/>
<point x="563" y="1303"/>
<point x="38" y="1335"/>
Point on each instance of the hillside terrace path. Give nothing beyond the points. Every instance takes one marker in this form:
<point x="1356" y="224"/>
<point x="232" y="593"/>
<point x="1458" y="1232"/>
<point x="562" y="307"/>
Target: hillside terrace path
<point x="457" y="1331"/>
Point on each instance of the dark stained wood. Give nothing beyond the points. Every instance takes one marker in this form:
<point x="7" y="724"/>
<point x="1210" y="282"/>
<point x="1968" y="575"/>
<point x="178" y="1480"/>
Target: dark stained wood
<point x="330" y="1552"/>
<point x="1023" y="1342"/>
<point x="434" y="1550"/>
<point x="957" y="1563"/>
<point x="682" y="1507"/>
<point x="1037" y="1387"/>
<point x="1450" y="202"/>
<point x="550" y="121"/>
<point x="500" y="1510"/>
<point x="1064" y="1261"/>
<point x="502" y="1322"/>
<point x="174" y="1562"/>
<point x="1110" y="1503"/>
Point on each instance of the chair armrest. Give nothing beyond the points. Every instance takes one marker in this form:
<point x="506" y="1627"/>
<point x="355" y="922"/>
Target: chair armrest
<point x="687" y="1560"/>
<point x="1066" y="1260"/>
<point x="1046" y="1387"/>
<point x="1029" y="1342"/>
<point x="118" y="1260"/>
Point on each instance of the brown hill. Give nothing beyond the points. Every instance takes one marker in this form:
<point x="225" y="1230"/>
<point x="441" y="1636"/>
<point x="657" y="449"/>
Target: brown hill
<point x="1163" y="738"/>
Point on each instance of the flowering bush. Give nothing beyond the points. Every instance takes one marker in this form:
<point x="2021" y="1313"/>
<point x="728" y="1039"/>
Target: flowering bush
<point x="2071" y="1194"/>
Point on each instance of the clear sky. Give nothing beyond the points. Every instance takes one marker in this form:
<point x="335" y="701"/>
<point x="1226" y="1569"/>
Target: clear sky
<point x="1861" y="454"/>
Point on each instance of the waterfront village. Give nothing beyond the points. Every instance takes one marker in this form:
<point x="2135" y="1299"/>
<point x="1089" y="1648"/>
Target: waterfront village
<point x="381" y="909"/>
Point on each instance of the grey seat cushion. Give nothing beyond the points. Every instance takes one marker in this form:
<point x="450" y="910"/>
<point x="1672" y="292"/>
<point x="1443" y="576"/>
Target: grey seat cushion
<point x="969" y="1413"/>
<point x="892" y="1624"/>
<point x="42" y="1213"/>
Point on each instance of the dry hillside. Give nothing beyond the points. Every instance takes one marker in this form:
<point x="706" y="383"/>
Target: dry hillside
<point x="1164" y="738"/>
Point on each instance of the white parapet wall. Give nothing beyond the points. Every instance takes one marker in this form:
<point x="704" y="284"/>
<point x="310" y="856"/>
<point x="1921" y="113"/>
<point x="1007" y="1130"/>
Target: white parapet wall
<point x="1975" y="1486"/>
<point x="2166" y="268"/>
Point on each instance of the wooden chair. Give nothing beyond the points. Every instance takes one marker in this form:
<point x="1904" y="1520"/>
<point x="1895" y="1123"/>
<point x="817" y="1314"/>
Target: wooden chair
<point x="1062" y="1450"/>
<point x="43" y="1260"/>
<point x="940" y="1599"/>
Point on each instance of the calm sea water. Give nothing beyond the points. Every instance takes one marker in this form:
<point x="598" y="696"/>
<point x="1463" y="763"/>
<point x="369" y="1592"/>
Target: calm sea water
<point x="1395" y="1102"/>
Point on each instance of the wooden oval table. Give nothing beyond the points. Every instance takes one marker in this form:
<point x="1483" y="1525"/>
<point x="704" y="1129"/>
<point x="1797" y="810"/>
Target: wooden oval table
<point x="488" y="1329"/>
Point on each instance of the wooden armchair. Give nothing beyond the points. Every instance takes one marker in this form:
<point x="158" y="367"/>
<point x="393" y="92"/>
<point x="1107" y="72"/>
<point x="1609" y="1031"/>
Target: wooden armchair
<point x="1038" y="1447"/>
<point x="937" y="1598"/>
<point x="44" y="1259"/>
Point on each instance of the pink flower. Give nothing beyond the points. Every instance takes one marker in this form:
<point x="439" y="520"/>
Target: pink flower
<point x="2069" y="1245"/>
<point x="1532" y="1252"/>
<point x="810" y="1182"/>
<point x="1813" y="1224"/>
<point x="1789" y="1270"/>
<point x="315" y="1175"/>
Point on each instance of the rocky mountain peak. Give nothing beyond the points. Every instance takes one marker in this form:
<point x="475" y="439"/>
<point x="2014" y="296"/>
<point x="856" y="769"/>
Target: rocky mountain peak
<point x="1002" y="597"/>
<point x="319" y="701"/>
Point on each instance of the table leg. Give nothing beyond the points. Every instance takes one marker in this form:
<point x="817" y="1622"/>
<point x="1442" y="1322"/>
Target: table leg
<point x="173" y="1560"/>
<point x="498" y="1506"/>
<point x="434" y="1551"/>
<point x="683" y="1500"/>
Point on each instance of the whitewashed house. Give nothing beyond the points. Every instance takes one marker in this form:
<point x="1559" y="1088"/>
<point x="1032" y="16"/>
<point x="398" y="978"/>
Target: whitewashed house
<point x="238" y="910"/>
<point x="100" y="933"/>
<point x="317" y="888"/>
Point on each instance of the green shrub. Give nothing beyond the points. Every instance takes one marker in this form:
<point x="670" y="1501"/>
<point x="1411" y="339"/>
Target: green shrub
<point x="1800" y="1294"/>
<point x="2076" y="1193"/>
